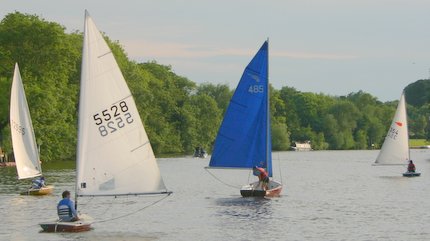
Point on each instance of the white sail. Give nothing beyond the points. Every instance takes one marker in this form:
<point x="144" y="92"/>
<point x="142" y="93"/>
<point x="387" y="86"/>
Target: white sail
<point x="114" y="154"/>
<point x="395" y="150"/>
<point x="23" y="140"/>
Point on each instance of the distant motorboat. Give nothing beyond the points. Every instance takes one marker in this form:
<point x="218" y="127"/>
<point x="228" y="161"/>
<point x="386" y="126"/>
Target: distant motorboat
<point x="302" y="146"/>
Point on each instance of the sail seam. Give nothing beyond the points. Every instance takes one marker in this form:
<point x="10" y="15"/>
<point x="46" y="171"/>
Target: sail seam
<point x="147" y="142"/>
<point x="128" y="96"/>
<point x="239" y="104"/>
<point x="101" y="56"/>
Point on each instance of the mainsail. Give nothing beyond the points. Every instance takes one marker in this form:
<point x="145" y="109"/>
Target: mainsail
<point x="395" y="150"/>
<point x="114" y="154"/>
<point x="23" y="140"/>
<point x="244" y="138"/>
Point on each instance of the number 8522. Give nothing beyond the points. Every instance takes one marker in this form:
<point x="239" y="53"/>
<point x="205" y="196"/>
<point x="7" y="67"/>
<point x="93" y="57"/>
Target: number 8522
<point x="112" y="119"/>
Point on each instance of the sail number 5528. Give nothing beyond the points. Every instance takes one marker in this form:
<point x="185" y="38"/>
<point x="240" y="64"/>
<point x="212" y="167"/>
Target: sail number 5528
<point x="113" y="118"/>
<point x="256" y="89"/>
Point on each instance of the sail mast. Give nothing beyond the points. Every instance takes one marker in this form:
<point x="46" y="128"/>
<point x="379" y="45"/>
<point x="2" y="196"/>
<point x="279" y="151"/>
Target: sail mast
<point x="407" y="128"/>
<point x="81" y="93"/>
<point x="268" y="163"/>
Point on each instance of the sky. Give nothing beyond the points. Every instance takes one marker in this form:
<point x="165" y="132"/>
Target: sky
<point x="333" y="47"/>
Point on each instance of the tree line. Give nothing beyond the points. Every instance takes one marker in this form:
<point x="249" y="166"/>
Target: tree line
<point x="178" y="114"/>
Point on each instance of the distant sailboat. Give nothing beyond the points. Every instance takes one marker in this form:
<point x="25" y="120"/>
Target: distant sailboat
<point x="244" y="138"/>
<point x="24" y="143"/>
<point x="114" y="155"/>
<point x="395" y="149"/>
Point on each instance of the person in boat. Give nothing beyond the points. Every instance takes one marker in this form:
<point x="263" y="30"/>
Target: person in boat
<point x="66" y="209"/>
<point x="263" y="177"/>
<point x="38" y="182"/>
<point x="197" y="151"/>
<point x="411" y="166"/>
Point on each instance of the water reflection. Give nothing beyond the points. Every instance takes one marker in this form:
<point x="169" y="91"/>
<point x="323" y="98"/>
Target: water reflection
<point x="244" y="208"/>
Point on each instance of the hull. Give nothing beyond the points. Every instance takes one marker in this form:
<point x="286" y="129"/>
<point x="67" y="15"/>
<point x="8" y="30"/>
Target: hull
<point x="38" y="192"/>
<point x="7" y="164"/>
<point x="253" y="190"/>
<point x="201" y="155"/>
<point x="53" y="227"/>
<point x="411" y="174"/>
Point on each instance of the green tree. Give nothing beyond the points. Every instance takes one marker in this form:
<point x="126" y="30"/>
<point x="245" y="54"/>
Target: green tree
<point x="49" y="60"/>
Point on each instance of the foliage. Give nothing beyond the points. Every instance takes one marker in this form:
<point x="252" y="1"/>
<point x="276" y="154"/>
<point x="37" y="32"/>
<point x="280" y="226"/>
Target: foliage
<point x="178" y="114"/>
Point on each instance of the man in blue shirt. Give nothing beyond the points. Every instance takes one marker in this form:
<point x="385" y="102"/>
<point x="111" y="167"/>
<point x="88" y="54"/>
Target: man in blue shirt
<point x="66" y="209"/>
<point x="38" y="182"/>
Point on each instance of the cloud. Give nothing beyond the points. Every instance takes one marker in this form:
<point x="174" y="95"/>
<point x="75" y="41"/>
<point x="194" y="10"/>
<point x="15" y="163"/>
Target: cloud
<point x="139" y="49"/>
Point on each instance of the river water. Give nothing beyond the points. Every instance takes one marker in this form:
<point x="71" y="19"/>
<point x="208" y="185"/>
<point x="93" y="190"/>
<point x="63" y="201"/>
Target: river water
<point x="328" y="195"/>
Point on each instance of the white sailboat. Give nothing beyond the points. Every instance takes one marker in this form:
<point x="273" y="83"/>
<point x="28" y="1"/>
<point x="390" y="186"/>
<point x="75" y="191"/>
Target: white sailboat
<point x="114" y="155"/>
<point x="23" y="140"/>
<point x="395" y="149"/>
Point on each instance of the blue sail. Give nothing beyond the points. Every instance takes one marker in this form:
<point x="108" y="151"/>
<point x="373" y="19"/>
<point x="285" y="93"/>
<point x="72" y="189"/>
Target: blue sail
<point x="244" y="138"/>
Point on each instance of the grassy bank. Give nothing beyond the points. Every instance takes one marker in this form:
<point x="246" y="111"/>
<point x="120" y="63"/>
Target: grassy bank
<point x="418" y="142"/>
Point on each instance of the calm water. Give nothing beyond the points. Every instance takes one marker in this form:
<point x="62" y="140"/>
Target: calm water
<point x="329" y="195"/>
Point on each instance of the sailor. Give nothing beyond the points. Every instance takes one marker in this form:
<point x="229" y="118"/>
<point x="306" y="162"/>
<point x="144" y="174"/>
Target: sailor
<point x="66" y="209"/>
<point x="38" y="182"/>
<point x="263" y="177"/>
<point x="411" y="166"/>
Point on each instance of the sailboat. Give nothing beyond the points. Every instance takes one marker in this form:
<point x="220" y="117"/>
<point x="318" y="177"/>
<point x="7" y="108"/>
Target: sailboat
<point x="23" y="139"/>
<point x="244" y="137"/>
<point x="395" y="149"/>
<point x="114" y="155"/>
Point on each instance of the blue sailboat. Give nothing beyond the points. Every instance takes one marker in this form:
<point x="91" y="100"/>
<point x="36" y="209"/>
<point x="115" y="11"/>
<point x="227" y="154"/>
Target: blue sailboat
<point x="244" y="138"/>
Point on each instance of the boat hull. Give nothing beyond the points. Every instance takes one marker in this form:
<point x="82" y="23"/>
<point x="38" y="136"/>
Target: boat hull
<point x="38" y="192"/>
<point x="253" y="190"/>
<point x="73" y="227"/>
<point x="411" y="174"/>
<point x="7" y="164"/>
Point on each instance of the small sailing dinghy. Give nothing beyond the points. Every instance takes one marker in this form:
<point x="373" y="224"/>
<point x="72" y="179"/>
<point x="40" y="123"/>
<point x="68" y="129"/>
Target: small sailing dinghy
<point x="395" y="149"/>
<point x="114" y="156"/>
<point x="244" y="138"/>
<point x="23" y="139"/>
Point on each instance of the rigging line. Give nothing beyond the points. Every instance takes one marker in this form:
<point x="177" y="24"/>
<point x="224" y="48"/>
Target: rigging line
<point x="86" y="203"/>
<point x="134" y="212"/>
<point x="216" y="178"/>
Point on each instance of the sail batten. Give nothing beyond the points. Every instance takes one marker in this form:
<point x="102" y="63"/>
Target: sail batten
<point x="243" y="139"/>
<point x="395" y="149"/>
<point x="114" y="153"/>
<point x="23" y="140"/>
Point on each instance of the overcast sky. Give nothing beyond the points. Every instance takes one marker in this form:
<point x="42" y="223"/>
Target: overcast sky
<point x="324" y="46"/>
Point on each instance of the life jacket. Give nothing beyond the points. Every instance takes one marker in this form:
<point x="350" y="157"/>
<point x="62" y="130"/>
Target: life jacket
<point x="37" y="183"/>
<point x="64" y="210"/>
<point x="411" y="167"/>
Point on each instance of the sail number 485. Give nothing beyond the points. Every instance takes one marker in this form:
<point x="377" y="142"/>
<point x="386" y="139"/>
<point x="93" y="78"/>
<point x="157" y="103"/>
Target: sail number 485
<point x="256" y="89"/>
<point x="113" y="118"/>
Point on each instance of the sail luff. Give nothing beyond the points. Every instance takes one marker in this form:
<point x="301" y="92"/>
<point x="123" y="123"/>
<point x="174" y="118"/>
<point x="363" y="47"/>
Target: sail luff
<point x="268" y="129"/>
<point x="81" y="105"/>
<point x="407" y="126"/>
<point x="114" y="155"/>
<point x="23" y="140"/>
